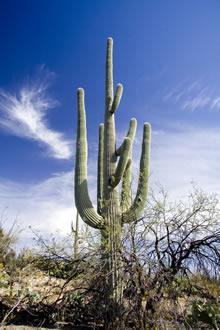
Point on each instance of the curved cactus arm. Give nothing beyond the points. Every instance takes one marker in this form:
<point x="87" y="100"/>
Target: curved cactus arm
<point x="116" y="178"/>
<point x="82" y="200"/>
<point x="100" y="179"/>
<point x="141" y="196"/>
<point x="117" y="98"/>
<point x="130" y="134"/>
<point x="126" y="194"/>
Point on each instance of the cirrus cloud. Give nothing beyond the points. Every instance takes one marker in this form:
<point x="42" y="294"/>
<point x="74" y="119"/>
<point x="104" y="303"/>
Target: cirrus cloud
<point x="24" y="115"/>
<point x="194" y="95"/>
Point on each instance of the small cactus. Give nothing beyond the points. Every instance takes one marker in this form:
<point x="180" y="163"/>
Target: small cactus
<point x="75" y="236"/>
<point x="114" y="208"/>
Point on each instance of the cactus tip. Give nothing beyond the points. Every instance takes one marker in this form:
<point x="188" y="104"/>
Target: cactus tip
<point x="80" y="90"/>
<point x="110" y="40"/>
<point x="147" y="125"/>
<point x="133" y="120"/>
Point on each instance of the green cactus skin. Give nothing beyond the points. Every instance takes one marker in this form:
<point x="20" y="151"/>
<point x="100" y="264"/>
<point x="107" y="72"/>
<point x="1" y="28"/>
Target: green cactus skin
<point x="122" y="163"/>
<point x="114" y="166"/>
<point x="100" y="171"/>
<point x="126" y="198"/>
<point x="75" y="236"/>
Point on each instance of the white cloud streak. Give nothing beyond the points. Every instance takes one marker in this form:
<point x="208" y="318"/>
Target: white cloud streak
<point x="24" y="115"/>
<point x="193" y="96"/>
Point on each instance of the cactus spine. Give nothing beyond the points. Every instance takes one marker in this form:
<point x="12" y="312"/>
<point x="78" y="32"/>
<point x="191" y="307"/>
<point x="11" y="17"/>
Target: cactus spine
<point x="114" y="208"/>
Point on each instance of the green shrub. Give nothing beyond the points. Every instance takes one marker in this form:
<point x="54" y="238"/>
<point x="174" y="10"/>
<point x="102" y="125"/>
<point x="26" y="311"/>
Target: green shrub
<point x="205" y="311"/>
<point x="54" y="267"/>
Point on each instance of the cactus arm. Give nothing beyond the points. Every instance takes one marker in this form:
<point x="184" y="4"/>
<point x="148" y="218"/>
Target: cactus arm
<point x="110" y="159"/>
<point x="126" y="194"/>
<point x="141" y="196"/>
<point x="117" y="98"/>
<point x="109" y="74"/>
<point x="82" y="200"/>
<point x="100" y="181"/>
<point x="116" y="178"/>
<point x="130" y="134"/>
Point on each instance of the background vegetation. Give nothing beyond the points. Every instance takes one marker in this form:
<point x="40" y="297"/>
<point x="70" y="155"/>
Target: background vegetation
<point x="171" y="272"/>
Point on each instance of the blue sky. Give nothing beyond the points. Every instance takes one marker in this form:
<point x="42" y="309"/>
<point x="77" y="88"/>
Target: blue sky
<point x="166" y="55"/>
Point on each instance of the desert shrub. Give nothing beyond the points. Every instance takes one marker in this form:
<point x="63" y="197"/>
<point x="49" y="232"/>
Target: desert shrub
<point x="4" y="278"/>
<point x="7" y="254"/>
<point x="164" y="252"/>
<point x="204" y="311"/>
<point x="24" y="258"/>
<point x="54" y="266"/>
<point x="7" y="257"/>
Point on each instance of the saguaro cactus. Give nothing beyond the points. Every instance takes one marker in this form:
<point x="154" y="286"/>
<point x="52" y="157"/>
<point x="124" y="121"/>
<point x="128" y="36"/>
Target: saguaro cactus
<point x="75" y="236"/>
<point x="114" y="208"/>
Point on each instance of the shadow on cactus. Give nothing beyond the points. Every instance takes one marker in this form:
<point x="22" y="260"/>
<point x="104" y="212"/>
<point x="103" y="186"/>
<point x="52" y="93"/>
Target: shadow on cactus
<point x="114" y="208"/>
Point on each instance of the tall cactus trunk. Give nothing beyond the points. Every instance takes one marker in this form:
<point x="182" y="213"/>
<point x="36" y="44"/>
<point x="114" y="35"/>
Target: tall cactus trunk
<point x="111" y="256"/>
<point x="111" y="210"/>
<point x="114" y="208"/>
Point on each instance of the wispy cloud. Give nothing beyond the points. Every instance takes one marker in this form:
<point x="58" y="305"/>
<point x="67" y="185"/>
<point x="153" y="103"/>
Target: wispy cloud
<point x="181" y="156"/>
<point x="184" y="156"/>
<point x="24" y="114"/>
<point x="193" y="95"/>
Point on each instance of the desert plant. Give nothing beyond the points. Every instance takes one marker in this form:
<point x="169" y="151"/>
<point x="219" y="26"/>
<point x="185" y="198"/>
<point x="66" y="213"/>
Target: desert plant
<point x="114" y="166"/>
<point x="75" y="234"/>
<point x="7" y="239"/>
<point x="204" y="311"/>
<point x="172" y="255"/>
